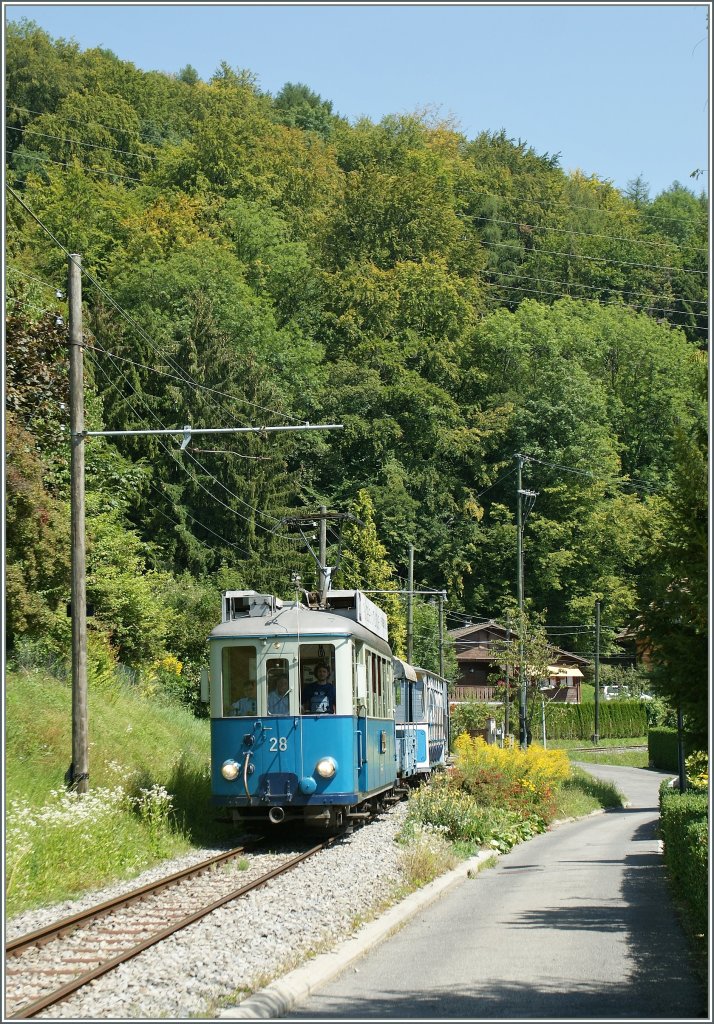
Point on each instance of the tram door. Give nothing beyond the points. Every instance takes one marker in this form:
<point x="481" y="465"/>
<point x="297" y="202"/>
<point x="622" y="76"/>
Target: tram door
<point x="361" y="711"/>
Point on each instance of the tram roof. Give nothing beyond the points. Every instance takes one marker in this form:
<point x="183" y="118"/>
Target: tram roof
<point x="294" y="621"/>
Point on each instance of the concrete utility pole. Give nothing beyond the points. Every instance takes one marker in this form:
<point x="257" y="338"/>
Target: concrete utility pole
<point x="78" y="774"/>
<point x="410" y="607"/>
<point x="596" y="736"/>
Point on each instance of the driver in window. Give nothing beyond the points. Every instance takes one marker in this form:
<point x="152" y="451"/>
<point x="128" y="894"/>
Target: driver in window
<point x="245" y="706"/>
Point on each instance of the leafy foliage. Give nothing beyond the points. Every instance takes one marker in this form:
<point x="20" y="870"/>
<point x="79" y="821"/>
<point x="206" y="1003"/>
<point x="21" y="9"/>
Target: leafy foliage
<point x="448" y="301"/>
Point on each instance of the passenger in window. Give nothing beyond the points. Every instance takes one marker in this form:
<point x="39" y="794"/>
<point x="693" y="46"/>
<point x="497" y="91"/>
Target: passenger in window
<point x="319" y="697"/>
<point x="279" y="695"/>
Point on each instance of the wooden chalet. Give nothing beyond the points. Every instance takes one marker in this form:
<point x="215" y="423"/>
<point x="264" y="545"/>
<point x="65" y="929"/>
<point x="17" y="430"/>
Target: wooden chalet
<point x="474" y="654"/>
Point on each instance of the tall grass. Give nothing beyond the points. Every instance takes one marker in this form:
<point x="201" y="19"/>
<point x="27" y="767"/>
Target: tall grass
<point x="149" y="788"/>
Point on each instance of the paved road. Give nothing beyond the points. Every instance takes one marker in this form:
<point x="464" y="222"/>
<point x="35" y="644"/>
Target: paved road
<point x="577" y="923"/>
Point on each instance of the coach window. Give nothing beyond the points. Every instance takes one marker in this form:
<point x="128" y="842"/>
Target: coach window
<point x="240" y="681"/>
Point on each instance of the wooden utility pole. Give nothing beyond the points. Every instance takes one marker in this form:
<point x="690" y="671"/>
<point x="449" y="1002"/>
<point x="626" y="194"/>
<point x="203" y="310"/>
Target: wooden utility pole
<point x="596" y="736"/>
<point x="522" y="712"/>
<point x="78" y="775"/>
<point x="324" y="582"/>
<point x="410" y="607"/>
<point x="441" y="634"/>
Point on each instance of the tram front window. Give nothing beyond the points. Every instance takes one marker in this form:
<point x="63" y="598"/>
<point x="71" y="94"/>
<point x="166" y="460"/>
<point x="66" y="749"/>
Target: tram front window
<point x="240" y="681"/>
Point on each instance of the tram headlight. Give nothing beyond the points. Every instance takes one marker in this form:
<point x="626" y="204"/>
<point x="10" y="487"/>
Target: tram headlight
<point x="326" y="767"/>
<point x="230" y="770"/>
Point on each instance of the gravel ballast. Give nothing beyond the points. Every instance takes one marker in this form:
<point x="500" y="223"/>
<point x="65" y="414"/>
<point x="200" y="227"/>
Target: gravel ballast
<point x="244" y="945"/>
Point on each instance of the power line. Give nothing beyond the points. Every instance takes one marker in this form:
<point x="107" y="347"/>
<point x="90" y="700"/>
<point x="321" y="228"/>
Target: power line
<point x="584" y="472"/>
<point x="602" y="302"/>
<point x="137" y="327"/>
<point x="37" y="280"/>
<point x="589" y="234"/>
<point x="77" y="120"/>
<point x="578" y="284"/>
<point x="514" y="197"/>
<point x="600" y="211"/>
<point x="79" y="142"/>
<point x="71" y="167"/>
<point x="195" y="384"/>
<point x="504" y="477"/>
<point x="596" y="259"/>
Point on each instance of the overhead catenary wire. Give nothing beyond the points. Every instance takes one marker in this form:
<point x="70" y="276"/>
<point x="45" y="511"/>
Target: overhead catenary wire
<point x="192" y="476"/>
<point x="207" y="472"/>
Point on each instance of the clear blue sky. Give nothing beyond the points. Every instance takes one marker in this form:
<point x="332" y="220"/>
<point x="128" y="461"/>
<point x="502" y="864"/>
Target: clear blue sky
<point x="618" y="90"/>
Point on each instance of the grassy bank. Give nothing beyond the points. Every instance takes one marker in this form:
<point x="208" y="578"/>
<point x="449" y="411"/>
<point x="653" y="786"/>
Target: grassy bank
<point x="149" y="779"/>
<point x="578" y="750"/>
<point x="150" y="792"/>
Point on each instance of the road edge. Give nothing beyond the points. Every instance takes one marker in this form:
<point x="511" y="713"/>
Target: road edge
<point x="285" y="993"/>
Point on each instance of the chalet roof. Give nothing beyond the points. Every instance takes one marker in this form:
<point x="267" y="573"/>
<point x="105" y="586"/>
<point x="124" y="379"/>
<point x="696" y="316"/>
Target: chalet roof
<point x="479" y="650"/>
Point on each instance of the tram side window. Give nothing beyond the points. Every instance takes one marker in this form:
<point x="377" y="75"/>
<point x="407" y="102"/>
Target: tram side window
<point x="387" y="699"/>
<point x="240" y="681"/>
<point x="376" y="685"/>
<point x="317" y="679"/>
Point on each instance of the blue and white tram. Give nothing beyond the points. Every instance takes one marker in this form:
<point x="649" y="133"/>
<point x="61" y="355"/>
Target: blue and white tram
<point x="422" y="720"/>
<point x="320" y="746"/>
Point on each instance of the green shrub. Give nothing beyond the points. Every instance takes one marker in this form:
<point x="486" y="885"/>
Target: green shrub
<point x="685" y="834"/>
<point x="663" y="750"/>
<point x="443" y="805"/>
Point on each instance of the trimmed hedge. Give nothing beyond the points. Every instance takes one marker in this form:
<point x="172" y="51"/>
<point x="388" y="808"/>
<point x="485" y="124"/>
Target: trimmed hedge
<point x="685" y="834"/>
<point x="662" y="748"/>
<point x="618" y="719"/>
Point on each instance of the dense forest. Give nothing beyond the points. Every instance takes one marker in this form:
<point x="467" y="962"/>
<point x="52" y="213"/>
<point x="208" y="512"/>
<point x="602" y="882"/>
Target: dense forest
<point x="251" y="259"/>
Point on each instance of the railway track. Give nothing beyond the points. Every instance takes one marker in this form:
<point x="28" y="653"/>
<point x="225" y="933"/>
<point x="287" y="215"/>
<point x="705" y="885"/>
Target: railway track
<point x="45" y="966"/>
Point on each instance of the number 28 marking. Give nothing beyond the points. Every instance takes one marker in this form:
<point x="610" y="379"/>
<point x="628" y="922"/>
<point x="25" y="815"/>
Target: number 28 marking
<point x="278" y="744"/>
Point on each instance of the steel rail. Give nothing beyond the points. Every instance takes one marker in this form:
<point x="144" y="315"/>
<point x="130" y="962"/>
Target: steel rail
<point x="61" y="928"/>
<point x="30" y="1009"/>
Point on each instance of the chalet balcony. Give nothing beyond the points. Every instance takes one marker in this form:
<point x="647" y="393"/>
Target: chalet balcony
<point x="472" y="691"/>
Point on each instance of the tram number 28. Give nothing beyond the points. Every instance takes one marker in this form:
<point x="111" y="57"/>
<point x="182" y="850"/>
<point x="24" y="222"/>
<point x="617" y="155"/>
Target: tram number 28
<point x="278" y="743"/>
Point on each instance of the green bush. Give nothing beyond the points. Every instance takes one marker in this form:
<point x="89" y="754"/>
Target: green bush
<point x="461" y="817"/>
<point x="662" y="748"/>
<point x="685" y="834"/>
